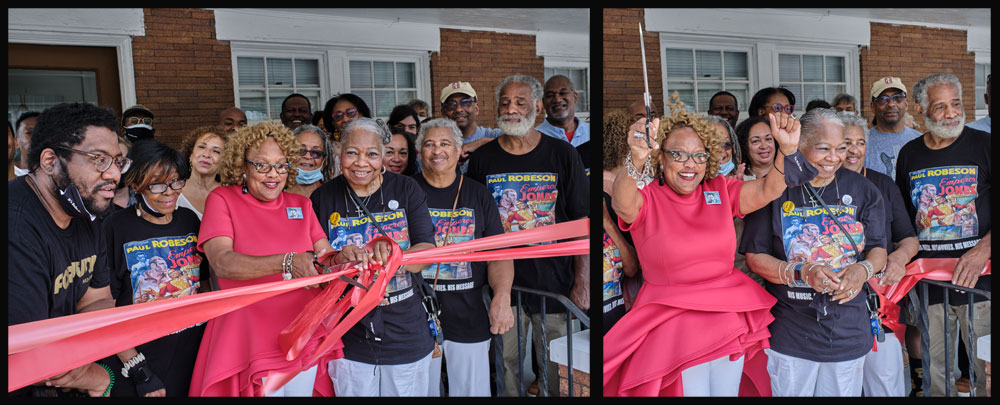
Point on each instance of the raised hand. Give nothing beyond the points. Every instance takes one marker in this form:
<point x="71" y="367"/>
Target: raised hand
<point x="786" y="130"/>
<point x="637" y="144"/>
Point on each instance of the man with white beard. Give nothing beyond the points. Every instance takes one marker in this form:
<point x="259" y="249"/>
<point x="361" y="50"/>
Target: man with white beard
<point x="551" y="187"/>
<point x="559" y="100"/>
<point x="954" y="222"/>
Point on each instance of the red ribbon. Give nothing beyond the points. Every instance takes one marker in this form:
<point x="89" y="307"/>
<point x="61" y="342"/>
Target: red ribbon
<point x="43" y="349"/>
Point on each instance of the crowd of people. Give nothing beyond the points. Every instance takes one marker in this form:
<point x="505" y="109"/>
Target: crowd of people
<point x="814" y="212"/>
<point x="102" y="214"/>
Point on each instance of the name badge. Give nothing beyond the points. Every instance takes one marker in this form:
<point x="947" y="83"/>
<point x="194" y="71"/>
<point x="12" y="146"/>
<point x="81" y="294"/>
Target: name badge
<point x="712" y="198"/>
<point x="294" y="212"/>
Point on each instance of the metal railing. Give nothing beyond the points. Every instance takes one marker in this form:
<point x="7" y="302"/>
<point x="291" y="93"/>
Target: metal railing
<point x="573" y="310"/>
<point x="919" y="305"/>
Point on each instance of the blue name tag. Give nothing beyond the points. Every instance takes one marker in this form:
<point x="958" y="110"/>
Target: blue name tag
<point x="712" y="198"/>
<point x="294" y="212"/>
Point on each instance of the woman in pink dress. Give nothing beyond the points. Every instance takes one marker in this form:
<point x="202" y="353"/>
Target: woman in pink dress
<point x="698" y="325"/>
<point x="254" y="232"/>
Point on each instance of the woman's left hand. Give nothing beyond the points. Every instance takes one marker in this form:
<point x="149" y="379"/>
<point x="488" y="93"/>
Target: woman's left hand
<point x="786" y="130"/>
<point x="852" y="278"/>
<point x="380" y="252"/>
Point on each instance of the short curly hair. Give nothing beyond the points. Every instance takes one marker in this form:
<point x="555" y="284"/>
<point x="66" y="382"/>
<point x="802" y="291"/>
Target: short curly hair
<point x="679" y="118"/>
<point x="240" y="142"/>
<point x="187" y="145"/>
<point x="615" y="144"/>
<point x="65" y="124"/>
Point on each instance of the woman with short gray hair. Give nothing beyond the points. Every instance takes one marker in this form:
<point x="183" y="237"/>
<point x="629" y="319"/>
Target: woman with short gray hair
<point x="314" y="162"/>
<point x="462" y="209"/>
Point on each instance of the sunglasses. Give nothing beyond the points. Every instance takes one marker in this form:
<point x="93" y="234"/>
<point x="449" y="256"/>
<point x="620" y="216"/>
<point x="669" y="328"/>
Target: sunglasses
<point x="896" y="98"/>
<point x="315" y="154"/>
<point x="466" y="104"/>
<point x="788" y="108"/>
<point x="350" y="113"/>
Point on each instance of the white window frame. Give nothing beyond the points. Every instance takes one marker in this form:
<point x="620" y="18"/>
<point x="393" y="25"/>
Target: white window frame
<point x="982" y="58"/>
<point x="559" y="62"/>
<point x="812" y="52"/>
<point x="763" y="54"/>
<point x="334" y="65"/>
<point x="421" y="61"/>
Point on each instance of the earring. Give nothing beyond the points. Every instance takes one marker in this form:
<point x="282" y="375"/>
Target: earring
<point x="383" y="169"/>
<point x="245" y="184"/>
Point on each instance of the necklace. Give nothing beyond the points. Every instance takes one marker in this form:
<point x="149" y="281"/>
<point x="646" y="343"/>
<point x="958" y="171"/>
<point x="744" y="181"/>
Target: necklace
<point x="812" y="200"/>
<point x="357" y="208"/>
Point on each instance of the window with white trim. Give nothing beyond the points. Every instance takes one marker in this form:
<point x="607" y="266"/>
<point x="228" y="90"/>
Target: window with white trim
<point x="811" y="77"/>
<point x="383" y="84"/>
<point x="263" y="82"/>
<point x="581" y="83"/>
<point x="696" y="74"/>
<point x="982" y="70"/>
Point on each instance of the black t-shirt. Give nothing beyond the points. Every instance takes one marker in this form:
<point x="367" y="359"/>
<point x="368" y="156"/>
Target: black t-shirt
<point x="584" y="151"/>
<point x="808" y="324"/>
<point x="152" y="262"/>
<point x="49" y="269"/>
<point x="897" y="224"/>
<point x="612" y="295"/>
<point x="396" y="333"/>
<point x="542" y="187"/>
<point x="464" y="315"/>
<point x="947" y="196"/>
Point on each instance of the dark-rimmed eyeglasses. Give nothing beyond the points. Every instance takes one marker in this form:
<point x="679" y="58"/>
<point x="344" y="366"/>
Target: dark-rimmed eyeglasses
<point x="160" y="188"/>
<point x="265" y="168"/>
<point x="681" y="157"/>
<point x="465" y="103"/>
<point x="315" y="154"/>
<point x="130" y="121"/>
<point x="895" y="98"/>
<point x="350" y="113"/>
<point x="103" y="162"/>
<point x="778" y="107"/>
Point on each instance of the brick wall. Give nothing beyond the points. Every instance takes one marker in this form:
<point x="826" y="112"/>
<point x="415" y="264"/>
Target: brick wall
<point x="623" y="83"/>
<point x="912" y="53"/>
<point x="182" y="73"/>
<point x="483" y="59"/>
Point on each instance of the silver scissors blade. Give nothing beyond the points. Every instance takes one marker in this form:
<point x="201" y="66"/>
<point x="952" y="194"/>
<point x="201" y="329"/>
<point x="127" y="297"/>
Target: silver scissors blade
<point x="647" y="99"/>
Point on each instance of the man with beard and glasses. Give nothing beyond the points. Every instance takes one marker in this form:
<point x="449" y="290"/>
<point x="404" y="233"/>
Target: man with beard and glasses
<point x="460" y="104"/>
<point x="890" y="131"/>
<point x="56" y="254"/>
<point x="944" y="177"/>
<point x="559" y="100"/>
<point x="551" y="187"/>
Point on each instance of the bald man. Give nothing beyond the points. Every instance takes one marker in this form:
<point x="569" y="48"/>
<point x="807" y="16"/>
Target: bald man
<point x="232" y="119"/>
<point x="638" y="109"/>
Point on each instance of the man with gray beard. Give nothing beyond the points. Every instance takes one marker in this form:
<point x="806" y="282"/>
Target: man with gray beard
<point x="560" y="122"/>
<point x="537" y="181"/>
<point x="944" y="177"/>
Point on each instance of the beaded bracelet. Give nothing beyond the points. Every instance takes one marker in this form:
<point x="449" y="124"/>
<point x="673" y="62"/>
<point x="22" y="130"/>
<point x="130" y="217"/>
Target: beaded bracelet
<point x="111" y="374"/>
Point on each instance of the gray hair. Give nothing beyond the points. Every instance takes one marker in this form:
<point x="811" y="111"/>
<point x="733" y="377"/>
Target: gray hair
<point x="732" y="135"/>
<point x="325" y="140"/>
<point x="920" y="89"/>
<point x="376" y="127"/>
<point x="536" y="87"/>
<point x="813" y="121"/>
<point x="842" y="97"/>
<point x="853" y="120"/>
<point x="439" y="123"/>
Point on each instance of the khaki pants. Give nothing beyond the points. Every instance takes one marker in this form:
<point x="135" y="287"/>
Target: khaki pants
<point x="555" y="327"/>
<point x="956" y="314"/>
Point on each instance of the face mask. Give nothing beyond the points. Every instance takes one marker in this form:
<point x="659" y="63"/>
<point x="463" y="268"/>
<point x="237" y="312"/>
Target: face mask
<point x="138" y="132"/>
<point x="727" y="167"/>
<point x="306" y="177"/>
<point x="72" y="202"/>
<point x="145" y="207"/>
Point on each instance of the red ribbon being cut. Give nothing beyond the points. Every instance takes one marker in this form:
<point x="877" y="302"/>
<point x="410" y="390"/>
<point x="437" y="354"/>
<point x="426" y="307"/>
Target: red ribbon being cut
<point x="43" y="349"/>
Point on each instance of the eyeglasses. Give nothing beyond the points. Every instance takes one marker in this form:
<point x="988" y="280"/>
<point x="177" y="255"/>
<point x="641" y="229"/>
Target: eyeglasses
<point x="103" y="162"/>
<point x="895" y="98"/>
<point x="681" y="157"/>
<point x="788" y="108"/>
<point x="265" y="168"/>
<point x="160" y="188"/>
<point x="315" y="154"/>
<point x="350" y="113"/>
<point x="466" y="104"/>
<point x="130" y="121"/>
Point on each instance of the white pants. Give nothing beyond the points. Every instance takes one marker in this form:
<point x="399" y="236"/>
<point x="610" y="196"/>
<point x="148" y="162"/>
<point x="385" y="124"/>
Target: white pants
<point x="795" y="377"/>
<point x="716" y="378"/>
<point x="883" y="370"/>
<point x="299" y="386"/>
<point x="356" y="379"/>
<point x="468" y="368"/>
